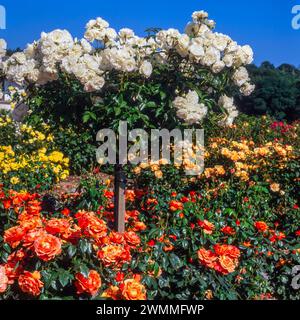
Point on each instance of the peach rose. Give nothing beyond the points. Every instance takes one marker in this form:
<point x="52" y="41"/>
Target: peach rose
<point x="14" y="236"/>
<point x="57" y="226"/>
<point x="114" y="256"/>
<point x="31" y="283"/>
<point x="175" y="205"/>
<point x="3" y="279"/>
<point x="132" y="239"/>
<point x="133" y="290"/>
<point x="228" y="264"/>
<point x="47" y="247"/>
<point x="261" y="226"/>
<point x="207" y="258"/>
<point x="89" y="285"/>
<point x="207" y="226"/>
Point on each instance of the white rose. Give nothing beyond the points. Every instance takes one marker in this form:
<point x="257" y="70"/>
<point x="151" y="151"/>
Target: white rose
<point x="146" y="69"/>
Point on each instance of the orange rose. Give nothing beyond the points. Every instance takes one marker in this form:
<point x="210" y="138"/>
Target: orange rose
<point x="47" y="247"/>
<point x="3" y="279"/>
<point x="261" y="226"/>
<point x="28" y="222"/>
<point x="207" y="258"/>
<point x="175" y="205"/>
<point x="113" y="292"/>
<point x="91" y="225"/>
<point x="57" y="226"/>
<point x="31" y="283"/>
<point x="34" y="207"/>
<point x="207" y="226"/>
<point x="227" y="250"/>
<point x="132" y="239"/>
<point x="227" y="264"/>
<point x="31" y="236"/>
<point x="116" y="238"/>
<point x="14" y="236"/>
<point x="139" y="226"/>
<point x="133" y="290"/>
<point x="114" y="256"/>
<point x="90" y="285"/>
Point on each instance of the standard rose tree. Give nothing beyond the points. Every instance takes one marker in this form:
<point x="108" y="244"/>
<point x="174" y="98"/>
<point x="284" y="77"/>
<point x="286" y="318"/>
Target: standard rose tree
<point x="167" y="79"/>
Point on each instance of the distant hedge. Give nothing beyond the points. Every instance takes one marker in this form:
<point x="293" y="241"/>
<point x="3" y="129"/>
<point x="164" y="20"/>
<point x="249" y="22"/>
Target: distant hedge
<point x="277" y="92"/>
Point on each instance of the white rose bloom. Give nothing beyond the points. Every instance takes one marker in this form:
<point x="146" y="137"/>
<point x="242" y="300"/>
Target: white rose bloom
<point x="240" y="76"/>
<point x="220" y="41"/>
<point x="196" y="47"/>
<point x="183" y="45"/>
<point x="95" y="84"/>
<point x="247" y="89"/>
<point x="218" y="67"/>
<point x="126" y="34"/>
<point x="146" y="69"/>
<point x="232" y="47"/>
<point x="3" y="47"/>
<point x="228" y="59"/>
<point x="228" y="104"/>
<point x="212" y="55"/>
<point x="189" y="109"/>
<point x="198" y="16"/>
<point x="86" y="47"/>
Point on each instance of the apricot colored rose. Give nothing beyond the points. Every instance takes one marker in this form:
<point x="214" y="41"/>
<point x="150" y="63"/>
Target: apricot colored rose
<point x="31" y="283"/>
<point x="261" y="226"/>
<point x="207" y="226"/>
<point x="47" y="247"/>
<point x="114" y="256"/>
<point x="3" y="279"/>
<point x="228" y="264"/>
<point x="133" y="290"/>
<point x="207" y="258"/>
<point x="113" y="292"/>
<point x="175" y="206"/>
<point x="31" y="236"/>
<point x="14" y="235"/>
<point x="227" y="250"/>
<point x="132" y="239"/>
<point x="89" y="285"/>
<point x="57" y="226"/>
<point x="116" y="238"/>
<point x="34" y="207"/>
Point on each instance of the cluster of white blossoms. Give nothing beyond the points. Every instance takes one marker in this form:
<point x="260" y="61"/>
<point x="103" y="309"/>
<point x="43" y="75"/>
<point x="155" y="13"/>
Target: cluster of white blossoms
<point x="189" y="109"/>
<point x="227" y="103"/>
<point x="3" y="47"/>
<point x="123" y="51"/>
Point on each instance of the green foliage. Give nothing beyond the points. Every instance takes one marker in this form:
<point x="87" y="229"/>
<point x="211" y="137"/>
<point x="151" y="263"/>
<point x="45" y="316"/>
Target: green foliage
<point x="277" y="92"/>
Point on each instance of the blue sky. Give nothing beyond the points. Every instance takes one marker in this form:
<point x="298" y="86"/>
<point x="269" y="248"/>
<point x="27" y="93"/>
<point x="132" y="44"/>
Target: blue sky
<point x="264" y="24"/>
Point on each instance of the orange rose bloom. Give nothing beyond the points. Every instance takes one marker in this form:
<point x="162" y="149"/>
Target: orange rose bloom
<point x="90" y="285"/>
<point x="132" y="239"/>
<point x="3" y="279"/>
<point x="116" y="238"/>
<point x="207" y="258"/>
<point x="47" y="247"/>
<point x="133" y="290"/>
<point x="14" y="235"/>
<point x="114" y="256"/>
<point x="34" y="207"/>
<point x="113" y="293"/>
<point x="228" y="264"/>
<point x="31" y="236"/>
<point x="175" y="205"/>
<point x="57" y="226"/>
<point x="207" y="226"/>
<point x="139" y="226"/>
<point x="31" y="283"/>
<point x="261" y="226"/>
